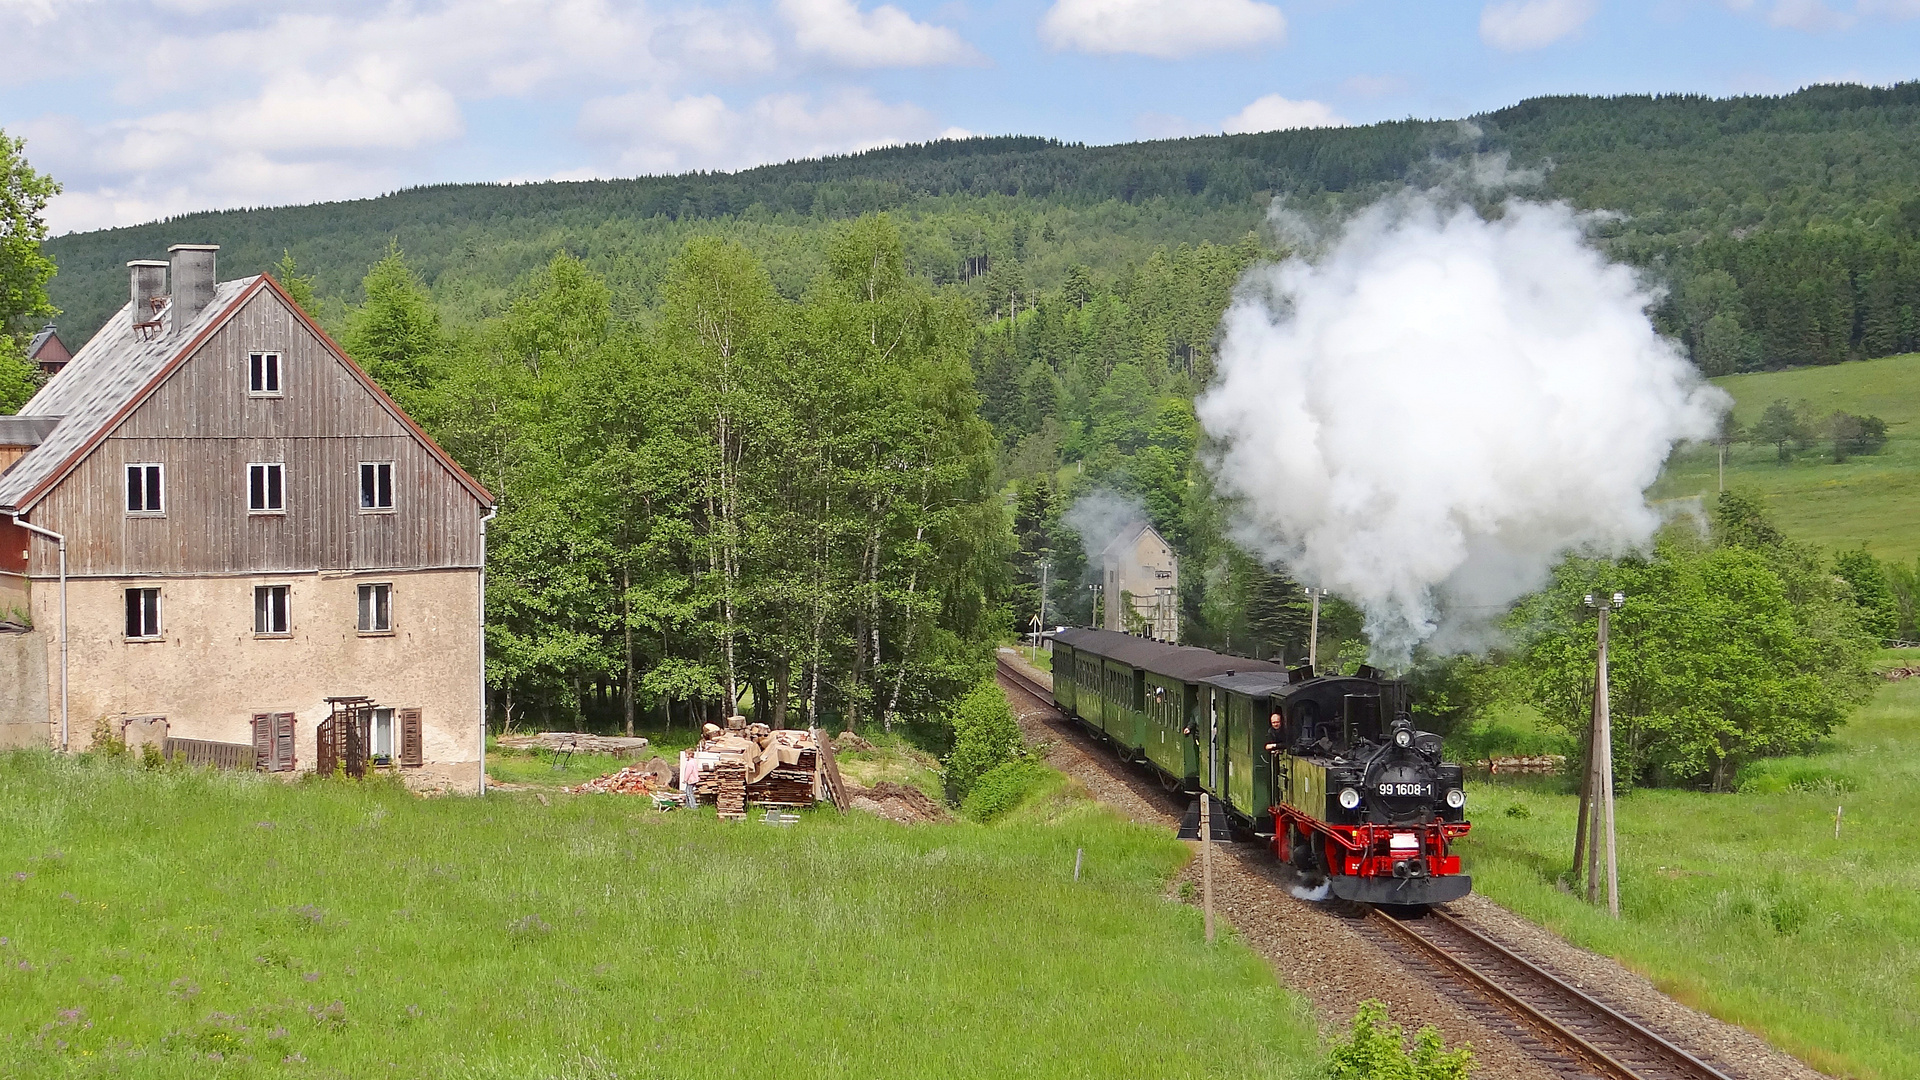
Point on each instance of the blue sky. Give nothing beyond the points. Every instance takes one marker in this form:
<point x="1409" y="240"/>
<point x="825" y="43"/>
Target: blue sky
<point x="145" y="108"/>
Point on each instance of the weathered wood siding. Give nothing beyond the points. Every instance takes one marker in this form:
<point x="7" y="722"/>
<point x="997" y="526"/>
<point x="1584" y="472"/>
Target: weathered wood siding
<point x="204" y="428"/>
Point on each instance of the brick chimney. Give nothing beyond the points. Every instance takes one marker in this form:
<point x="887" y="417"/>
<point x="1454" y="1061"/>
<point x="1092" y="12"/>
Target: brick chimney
<point x="149" y="284"/>
<point x="192" y="281"/>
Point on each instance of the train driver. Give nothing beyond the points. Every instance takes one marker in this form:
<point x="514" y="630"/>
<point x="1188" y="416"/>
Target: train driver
<point x="1273" y="732"/>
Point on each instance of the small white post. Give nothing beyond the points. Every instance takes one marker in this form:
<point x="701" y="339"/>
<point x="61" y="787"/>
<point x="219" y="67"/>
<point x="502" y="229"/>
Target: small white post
<point x="1206" y="862"/>
<point x="1078" y="853"/>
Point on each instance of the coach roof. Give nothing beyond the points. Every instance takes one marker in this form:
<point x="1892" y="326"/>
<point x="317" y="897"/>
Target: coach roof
<point x="1183" y="662"/>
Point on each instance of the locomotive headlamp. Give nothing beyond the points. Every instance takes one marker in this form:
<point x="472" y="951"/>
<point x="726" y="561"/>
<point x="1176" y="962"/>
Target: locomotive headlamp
<point x="1403" y="737"/>
<point x="1349" y="798"/>
<point x="1456" y="798"/>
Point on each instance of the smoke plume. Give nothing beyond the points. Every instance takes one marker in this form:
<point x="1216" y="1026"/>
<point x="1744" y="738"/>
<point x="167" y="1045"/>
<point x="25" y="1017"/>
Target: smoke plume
<point x="1099" y="516"/>
<point x="1434" y="408"/>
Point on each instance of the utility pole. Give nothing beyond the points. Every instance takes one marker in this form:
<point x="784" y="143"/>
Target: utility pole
<point x="1044" y="564"/>
<point x="1596" y="804"/>
<point x="1099" y="593"/>
<point x="1313" y="631"/>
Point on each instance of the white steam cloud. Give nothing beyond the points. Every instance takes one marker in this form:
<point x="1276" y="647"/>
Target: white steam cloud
<point x="1435" y="409"/>
<point x="1099" y="516"/>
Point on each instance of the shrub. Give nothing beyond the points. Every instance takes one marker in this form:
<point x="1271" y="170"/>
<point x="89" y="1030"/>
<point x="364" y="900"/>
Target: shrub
<point x="1374" y="1050"/>
<point x="984" y="735"/>
<point x="1002" y="788"/>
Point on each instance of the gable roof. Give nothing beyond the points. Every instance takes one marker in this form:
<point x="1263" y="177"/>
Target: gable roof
<point x="1132" y="533"/>
<point x="45" y="335"/>
<point x="118" y="370"/>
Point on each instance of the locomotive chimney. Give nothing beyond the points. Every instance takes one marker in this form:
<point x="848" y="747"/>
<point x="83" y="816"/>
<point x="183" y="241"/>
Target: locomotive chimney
<point x="149" y="279"/>
<point x="192" y="281"/>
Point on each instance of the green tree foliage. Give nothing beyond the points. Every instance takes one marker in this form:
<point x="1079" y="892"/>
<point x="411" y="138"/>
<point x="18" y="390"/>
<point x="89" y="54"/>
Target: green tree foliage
<point x="984" y="736"/>
<point x="1743" y="648"/>
<point x="24" y="269"/>
<point x="1780" y="427"/>
<point x="1375" y="1049"/>
<point x="1853" y="435"/>
<point x="739" y="491"/>
<point x="1871" y="590"/>
<point x="396" y="335"/>
<point x="298" y="285"/>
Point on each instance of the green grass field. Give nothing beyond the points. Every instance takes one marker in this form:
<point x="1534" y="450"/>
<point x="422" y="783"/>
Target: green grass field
<point x="180" y="923"/>
<point x="1873" y="500"/>
<point x="1746" y="905"/>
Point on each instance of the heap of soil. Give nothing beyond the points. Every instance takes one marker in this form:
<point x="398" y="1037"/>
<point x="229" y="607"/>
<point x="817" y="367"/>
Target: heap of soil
<point x="898" y="802"/>
<point x="847" y="743"/>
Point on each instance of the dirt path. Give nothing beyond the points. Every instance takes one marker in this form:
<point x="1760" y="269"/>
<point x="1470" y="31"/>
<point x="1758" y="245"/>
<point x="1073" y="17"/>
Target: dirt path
<point x="1324" y="955"/>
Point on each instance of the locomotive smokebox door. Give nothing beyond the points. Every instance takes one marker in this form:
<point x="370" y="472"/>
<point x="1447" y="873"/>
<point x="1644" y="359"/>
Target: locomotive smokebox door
<point x="1217" y="821"/>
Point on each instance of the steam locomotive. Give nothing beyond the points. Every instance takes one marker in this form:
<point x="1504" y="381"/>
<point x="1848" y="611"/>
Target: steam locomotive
<point x="1330" y="770"/>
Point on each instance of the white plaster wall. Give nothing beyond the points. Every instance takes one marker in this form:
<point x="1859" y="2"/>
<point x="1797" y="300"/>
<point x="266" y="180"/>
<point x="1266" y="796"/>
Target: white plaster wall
<point x="208" y="674"/>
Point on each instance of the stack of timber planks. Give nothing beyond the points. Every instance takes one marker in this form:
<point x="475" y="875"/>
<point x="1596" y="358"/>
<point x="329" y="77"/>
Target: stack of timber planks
<point x="579" y="742"/>
<point x="760" y="765"/>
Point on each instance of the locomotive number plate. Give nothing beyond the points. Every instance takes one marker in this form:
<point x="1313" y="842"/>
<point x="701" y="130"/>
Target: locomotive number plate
<point x="1406" y="789"/>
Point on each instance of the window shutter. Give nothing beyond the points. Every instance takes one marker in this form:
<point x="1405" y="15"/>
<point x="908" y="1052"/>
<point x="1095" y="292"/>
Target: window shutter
<point x="411" y="752"/>
<point x="263" y="742"/>
<point x="283" y="758"/>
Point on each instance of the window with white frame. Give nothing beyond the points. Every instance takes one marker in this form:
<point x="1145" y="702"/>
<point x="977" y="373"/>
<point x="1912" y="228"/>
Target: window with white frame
<point x="381" y="741"/>
<point x="376" y="608"/>
<point x="271" y="614"/>
<point x="376" y="485"/>
<point x="144" y="489"/>
<point x="263" y="375"/>
<point x="143" y="614"/>
<point x="266" y="488"/>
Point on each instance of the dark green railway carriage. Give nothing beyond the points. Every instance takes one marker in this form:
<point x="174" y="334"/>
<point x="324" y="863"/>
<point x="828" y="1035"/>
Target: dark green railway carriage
<point x="1146" y="696"/>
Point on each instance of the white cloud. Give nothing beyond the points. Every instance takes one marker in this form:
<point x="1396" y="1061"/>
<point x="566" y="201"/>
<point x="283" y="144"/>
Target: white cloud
<point x="653" y="133"/>
<point x="1275" y="113"/>
<point x="1519" y="25"/>
<point x="1168" y="29"/>
<point x="839" y="31"/>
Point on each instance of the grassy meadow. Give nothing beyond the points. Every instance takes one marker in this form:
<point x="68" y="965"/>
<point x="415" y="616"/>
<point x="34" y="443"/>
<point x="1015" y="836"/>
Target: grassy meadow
<point x="1873" y="500"/>
<point x="183" y="923"/>
<point x="1746" y="905"/>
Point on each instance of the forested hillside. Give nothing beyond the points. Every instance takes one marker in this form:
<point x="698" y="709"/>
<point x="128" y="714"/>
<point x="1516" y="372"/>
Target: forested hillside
<point x="1787" y="225"/>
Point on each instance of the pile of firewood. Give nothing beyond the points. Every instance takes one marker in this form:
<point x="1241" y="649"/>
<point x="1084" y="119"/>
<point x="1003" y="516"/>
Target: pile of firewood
<point x="758" y="765"/>
<point x="632" y="780"/>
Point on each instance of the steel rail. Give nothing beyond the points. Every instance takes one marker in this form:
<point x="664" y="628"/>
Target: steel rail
<point x="1673" y="1056"/>
<point x="1675" y="1059"/>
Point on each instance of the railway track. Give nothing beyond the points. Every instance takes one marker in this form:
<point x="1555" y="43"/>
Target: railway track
<point x="1604" y="1041"/>
<point x="1590" y="1037"/>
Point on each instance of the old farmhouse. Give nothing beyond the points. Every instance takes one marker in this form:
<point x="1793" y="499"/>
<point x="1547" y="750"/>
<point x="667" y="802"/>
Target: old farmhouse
<point x="1140" y="578"/>
<point x="217" y="533"/>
